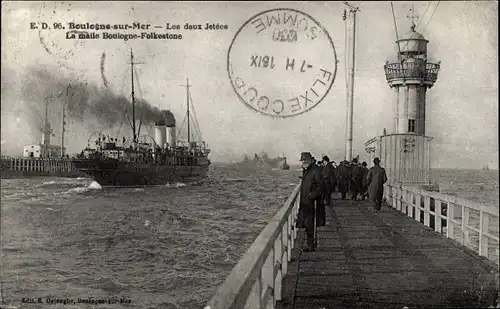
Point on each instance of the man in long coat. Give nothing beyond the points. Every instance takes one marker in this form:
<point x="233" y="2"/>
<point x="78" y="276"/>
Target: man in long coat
<point x="320" y="201"/>
<point x="334" y="176"/>
<point x="375" y="179"/>
<point x="310" y="191"/>
<point x="343" y="178"/>
<point x="364" y="187"/>
<point x="328" y="174"/>
<point x="356" y="179"/>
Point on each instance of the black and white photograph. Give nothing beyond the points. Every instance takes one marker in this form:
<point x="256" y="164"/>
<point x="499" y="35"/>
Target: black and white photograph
<point x="249" y="155"/>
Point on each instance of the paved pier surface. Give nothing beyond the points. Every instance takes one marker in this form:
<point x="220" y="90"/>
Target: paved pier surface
<point x="384" y="260"/>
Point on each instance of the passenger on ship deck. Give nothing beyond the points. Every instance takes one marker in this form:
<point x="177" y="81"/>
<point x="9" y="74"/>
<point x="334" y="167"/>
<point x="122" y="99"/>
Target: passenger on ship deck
<point x="328" y="174"/>
<point x="356" y="179"/>
<point x="343" y="178"/>
<point x="375" y="179"/>
<point x="310" y="191"/>
<point x="364" y="188"/>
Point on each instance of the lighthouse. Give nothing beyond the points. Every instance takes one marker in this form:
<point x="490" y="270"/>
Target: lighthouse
<point x="405" y="150"/>
<point x="409" y="78"/>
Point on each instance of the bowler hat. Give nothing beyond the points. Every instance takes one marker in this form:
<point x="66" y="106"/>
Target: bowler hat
<point x="376" y="160"/>
<point x="325" y="158"/>
<point x="305" y="156"/>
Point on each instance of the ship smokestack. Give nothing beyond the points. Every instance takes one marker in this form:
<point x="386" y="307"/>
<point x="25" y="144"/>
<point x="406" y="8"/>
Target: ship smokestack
<point x="170" y="127"/>
<point x="160" y="133"/>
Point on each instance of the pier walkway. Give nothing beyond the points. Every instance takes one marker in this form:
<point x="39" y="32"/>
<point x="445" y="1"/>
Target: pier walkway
<point x="369" y="259"/>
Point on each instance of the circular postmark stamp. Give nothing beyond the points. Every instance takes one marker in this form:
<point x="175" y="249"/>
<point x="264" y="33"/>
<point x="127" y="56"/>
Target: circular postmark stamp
<point x="282" y="62"/>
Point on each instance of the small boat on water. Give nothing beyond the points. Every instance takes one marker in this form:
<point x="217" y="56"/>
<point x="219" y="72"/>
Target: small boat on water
<point x="144" y="161"/>
<point x="283" y="164"/>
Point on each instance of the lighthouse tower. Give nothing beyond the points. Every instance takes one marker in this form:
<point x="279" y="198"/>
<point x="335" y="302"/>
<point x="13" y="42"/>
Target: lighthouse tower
<point x="404" y="151"/>
<point x="410" y="77"/>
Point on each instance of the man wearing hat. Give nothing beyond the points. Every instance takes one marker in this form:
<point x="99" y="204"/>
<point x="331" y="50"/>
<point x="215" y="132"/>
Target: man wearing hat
<point x="343" y="178"/>
<point x="356" y="179"/>
<point x="310" y="191"/>
<point x="375" y="180"/>
<point x="328" y="174"/>
<point x="364" y="187"/>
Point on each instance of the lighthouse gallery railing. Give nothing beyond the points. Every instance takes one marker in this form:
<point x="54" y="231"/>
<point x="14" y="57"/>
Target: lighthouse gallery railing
<point x="427" y="71"/>
<point x="256" y="281"/>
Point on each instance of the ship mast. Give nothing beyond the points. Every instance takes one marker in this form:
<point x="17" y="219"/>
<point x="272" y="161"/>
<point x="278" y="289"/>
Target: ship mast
<point x="187" y="97"/>
<point x="63" y="122"/>
<point x="187" y="112"/>
<point x="46" y="129"/>
<point x="133" y="98"/>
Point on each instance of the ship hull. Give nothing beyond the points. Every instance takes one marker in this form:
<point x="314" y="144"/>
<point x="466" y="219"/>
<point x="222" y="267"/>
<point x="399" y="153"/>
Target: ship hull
<point x="120" y="174"/>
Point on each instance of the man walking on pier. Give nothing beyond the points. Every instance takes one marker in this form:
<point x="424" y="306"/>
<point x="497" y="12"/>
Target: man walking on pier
<point x="310" y="191"/>
<point x="343" y="178"/>
<point x="364" y="187"/>
<point x="328" y="179"/>
<point x="375" y="179"/>
<point x="356" y="179"/>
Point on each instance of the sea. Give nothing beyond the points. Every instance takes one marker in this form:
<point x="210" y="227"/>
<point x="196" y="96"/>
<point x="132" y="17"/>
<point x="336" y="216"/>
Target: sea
<point x="77" y="245"/>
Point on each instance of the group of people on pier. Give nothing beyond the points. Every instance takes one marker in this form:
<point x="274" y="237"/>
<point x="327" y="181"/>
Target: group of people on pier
<point x="321" y="178"/>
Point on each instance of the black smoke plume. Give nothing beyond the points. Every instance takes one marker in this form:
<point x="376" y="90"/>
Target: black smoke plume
<point x="83" y="99"/>
<point x="167" y="119"/>
<point x="90" y="108"/>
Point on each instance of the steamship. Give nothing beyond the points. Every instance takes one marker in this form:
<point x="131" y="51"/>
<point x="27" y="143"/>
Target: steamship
<point x="264" y="160"/>
<point x="144" y="160"/>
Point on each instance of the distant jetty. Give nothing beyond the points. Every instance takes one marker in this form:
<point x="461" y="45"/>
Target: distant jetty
<point x="41" y="158"/>
<point x="20" y="167"/>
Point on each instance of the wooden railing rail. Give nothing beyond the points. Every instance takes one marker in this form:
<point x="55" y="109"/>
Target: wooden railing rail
<point x="256" y="281"/>
<point x="472" y="224"/>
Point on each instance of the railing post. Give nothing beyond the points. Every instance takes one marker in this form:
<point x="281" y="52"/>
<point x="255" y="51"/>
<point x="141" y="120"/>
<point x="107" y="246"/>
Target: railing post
<point x="254" y="299"/>
<point x="418" y="202"/>
<point x="483" y="228"/>
<point x="278" y="264"/>
<point x="465" y="228"/>
<point x="411" y="207"/>
<point x="427" y="209"/>
<point x="450" y="216"/>
<point x="394" y="197"/>
<point x="437" y="216"/>
<point x="403" y="202"/>
<point x="399" y="198"/>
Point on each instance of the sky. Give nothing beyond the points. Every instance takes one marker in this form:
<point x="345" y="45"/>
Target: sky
<point x="462" y="107"/>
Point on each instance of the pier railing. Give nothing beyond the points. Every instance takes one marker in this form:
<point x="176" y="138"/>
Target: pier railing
<point x="471" y="224"/>
<point x="256" y="281"/>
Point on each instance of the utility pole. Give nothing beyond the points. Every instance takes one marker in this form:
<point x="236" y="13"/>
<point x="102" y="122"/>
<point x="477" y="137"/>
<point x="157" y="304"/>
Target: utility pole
<point x="350" y="90"/>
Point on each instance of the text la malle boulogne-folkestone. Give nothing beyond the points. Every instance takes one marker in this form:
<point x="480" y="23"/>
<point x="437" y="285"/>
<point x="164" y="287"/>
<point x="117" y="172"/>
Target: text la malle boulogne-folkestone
<point x="80" y="31"/>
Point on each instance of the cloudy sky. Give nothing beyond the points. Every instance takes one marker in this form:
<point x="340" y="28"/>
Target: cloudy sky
<point x="462" y="108"/>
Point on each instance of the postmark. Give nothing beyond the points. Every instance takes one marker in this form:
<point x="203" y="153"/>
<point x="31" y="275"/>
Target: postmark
<point x="282" y="63"/>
